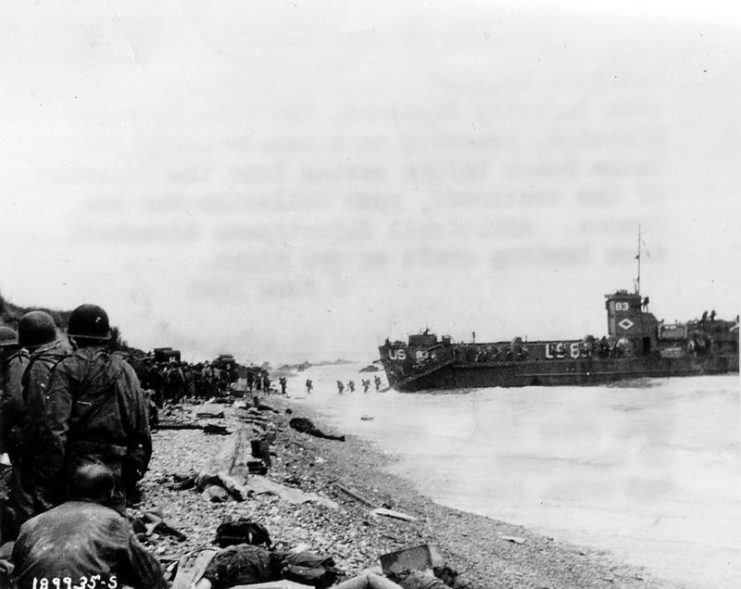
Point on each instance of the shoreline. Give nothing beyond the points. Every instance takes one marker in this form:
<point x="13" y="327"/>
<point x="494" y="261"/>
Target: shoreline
<point x="487" y="553"/>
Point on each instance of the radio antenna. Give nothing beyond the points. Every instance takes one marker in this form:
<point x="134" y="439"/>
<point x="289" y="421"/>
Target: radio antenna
<point x="638" y="258"/>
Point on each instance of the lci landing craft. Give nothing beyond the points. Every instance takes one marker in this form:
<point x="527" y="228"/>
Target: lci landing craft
<point x="637" y="346"/>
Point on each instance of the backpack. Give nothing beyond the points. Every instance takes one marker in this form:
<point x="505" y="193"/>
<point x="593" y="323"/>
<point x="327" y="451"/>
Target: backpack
<point x="311" y="569"/>
<point x="233" y="531"/>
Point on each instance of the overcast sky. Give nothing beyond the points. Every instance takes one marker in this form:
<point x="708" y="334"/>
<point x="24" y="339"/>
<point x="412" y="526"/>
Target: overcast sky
<point x="299" y="180"/>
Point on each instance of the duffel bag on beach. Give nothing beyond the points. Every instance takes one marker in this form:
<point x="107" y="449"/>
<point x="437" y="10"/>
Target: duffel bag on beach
<point x="310" y="568"/>
<point x="233" y="531"/>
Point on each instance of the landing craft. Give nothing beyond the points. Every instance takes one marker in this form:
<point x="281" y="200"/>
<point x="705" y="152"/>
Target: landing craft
<point x="637" y="346"/>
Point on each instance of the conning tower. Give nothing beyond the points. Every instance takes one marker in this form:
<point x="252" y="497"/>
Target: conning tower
<point x="628" y="317"/>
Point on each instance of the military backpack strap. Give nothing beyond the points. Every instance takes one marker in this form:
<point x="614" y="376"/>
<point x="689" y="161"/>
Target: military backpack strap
<point x="27" y="370"/>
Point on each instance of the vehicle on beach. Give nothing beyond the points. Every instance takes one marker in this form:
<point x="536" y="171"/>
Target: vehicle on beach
<point x="637" y="346"/>
<point x="166" y="355"/>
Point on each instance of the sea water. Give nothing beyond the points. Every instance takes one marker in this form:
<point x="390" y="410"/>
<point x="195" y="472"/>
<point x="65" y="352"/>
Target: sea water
<point x="648" y="470"/>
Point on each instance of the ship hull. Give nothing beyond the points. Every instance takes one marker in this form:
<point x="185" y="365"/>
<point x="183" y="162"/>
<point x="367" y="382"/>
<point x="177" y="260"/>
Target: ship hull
<point x="637" y="345"/>
<point x="567" y="372"/>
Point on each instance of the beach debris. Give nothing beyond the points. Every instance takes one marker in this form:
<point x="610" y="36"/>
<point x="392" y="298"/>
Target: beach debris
<point x="217" y="430"/>
<point x="253" y="415"/>
<point x="393" y="514"/>
<point x="416" y="558"/>
<point x="257" y="467"/>
<point x="260" y="485"/>
<point x="261" y="449"/>
<point x="173" y="425"/>
<point x="367" y="418"/>
<point x="513" y="539"/>
<point x="355" y="495"/>
<point x="182" y="482"/>
<point x="233" y="455"/>
<point x="215" y="494"/>
<point x="155" y="524"/>
<point x="306" y="426"/>
<point x="210" y="415"/>
<point x="234" y="485"/>
<point x="293" y="480"/>
<point x="248" y="566"/>
<point x="310" y="568"/>
<point x="191" y="567"/>
<point x="234" y="530"/>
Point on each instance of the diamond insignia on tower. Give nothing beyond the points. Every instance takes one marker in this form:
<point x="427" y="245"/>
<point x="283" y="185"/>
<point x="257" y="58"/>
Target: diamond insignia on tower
<point x="626" y="324"/>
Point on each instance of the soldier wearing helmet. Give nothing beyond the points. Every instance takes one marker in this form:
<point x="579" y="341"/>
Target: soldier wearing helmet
<point x="95" y="412"/>
<point x="8" y="338"/>
<point x="11" y="368"/>
<point x="37" y="333"/>
<point x="84" y="539"/>
<point x="8" y="347"/>
<point x="13" y="361"/>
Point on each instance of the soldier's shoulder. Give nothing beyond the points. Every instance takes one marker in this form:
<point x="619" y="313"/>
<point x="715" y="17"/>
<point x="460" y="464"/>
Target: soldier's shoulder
<point x="121" y="358"/>
<point x="121" y="361"/>
<point x="65" y="361"/>
<point x="20" y="357"/>
<point x="52" y="353"/>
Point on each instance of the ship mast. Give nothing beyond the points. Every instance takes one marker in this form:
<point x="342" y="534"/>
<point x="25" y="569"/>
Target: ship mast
<point x="638" y="258"/>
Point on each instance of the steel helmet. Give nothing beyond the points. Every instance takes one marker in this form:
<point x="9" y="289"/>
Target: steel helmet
<point x="8" y="336"/>
<point x="89" y="321"/>
<point x="35" y="329"/>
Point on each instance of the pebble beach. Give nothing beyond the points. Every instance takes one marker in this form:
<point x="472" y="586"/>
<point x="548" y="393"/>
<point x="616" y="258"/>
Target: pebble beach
<point x="352" y="477"/>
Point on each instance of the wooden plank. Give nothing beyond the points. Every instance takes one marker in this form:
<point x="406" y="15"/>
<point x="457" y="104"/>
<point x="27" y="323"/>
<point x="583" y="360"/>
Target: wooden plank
<point x="394" y="514"/>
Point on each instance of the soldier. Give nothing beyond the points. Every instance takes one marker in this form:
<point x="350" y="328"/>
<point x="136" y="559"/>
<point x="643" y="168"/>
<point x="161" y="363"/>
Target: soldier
<point x="283" y="384"/>
<point x="13" y="361"/>
<point x="207" y="380"/>
<point x="8" y="351"/>
<point x="37" y="333"/>
<point x="156" y="381"/>
<point x="218" y="379"/>
<point x="174" y="382"/>
<point x="82" y="540"/>
<point x="8" y="346"/>
<point x="95" y="413"/>
<point x="189" y="380"/>
<point x="309" y="385"/>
